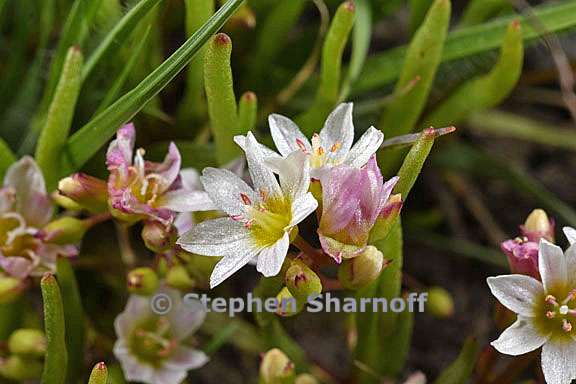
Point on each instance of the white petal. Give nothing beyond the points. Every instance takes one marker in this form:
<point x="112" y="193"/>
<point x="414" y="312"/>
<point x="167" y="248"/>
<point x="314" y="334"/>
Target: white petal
<point x="266" y="152"/>
<point x="552" y="265"/>
<point x="339" y="128"/>
<point x="303" y="207"/>
<point x="570" y="234"/>
<point x="185" y="358"/>
<point x="32" y="201"/>
<point x="364" y="148"/>
<point x="287" y="135"/>
<point x="520" y="338"/>
<point x="230" y="264"/>
<point x="132" y="368"/>
<point x="225" y="189"/>
<point x="216" y="237"/>
<point x="559" y="362"/>
<point x="518" y="293"/>
<point x="186" y="201"/>
<point x="185" y="317"/>
<point x="262" y="177"/>
<point x="270" y="259"/>
<point x="137" y="308"/>
<point x="294" y="172"/>
<point x="571" y="264"/>
<point x="190" y="179"/>
<point x="168" y="376"/>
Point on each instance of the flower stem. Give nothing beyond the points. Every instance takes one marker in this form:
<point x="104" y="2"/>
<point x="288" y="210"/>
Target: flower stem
<point x="308" y="249"/>
<point x="97" y="219"/>
<point x="126" y="251"/>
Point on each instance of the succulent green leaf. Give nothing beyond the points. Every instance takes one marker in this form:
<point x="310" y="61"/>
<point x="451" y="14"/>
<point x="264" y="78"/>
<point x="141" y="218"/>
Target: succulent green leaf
<point x="487" y="90"/>
<point x="56" y="361"/>
<point x="99" y="374"/>
<point x="418" y="10"/>
<point x="247" y="112"/>
<point x="7" y="157"/>
<point x="383" y="68"/>
<point x="222" y="106"/>
<point x="58" y="121"/>
<point x="478" y="11"/>
<point x="328" y="92"/>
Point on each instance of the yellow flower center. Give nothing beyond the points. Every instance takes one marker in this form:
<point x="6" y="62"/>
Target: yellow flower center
<point x="318" y="156"/>
<point x="557" y="313"/>
<point x="15" y="238"/>
<point x="151" y="342"/>
<point x="269" y="219"/>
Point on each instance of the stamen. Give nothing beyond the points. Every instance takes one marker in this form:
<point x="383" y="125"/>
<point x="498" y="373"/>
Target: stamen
<point x="564" y="310"/>
<point x="571" y="296"/>
<point x="320" y="151"/>
<point x="336" y="146"/>
<point x="301" y="145"/>
<point x="263" y="194"/>
<point x="236" y="217"/>
<point x="245" y="199"/>
<point x="550" y="314"/>
<point x="552" y="300"/>
<point x="566" y="326"/>
<point x="249" y="224"/>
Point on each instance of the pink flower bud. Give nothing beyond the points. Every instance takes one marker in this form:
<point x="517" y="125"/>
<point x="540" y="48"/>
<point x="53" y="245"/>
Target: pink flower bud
<point x="88" y="192"/>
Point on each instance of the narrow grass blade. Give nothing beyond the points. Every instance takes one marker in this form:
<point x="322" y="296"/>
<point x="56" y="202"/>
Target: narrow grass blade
<point x="383" y="68"/>
<point x="361" y="37"/>
<point x="90" y="138"/>
<point x="478" y="11"/>
<point x="418" y="10"/>
<point x="504" y="124"/>
<point x="56" y="360"/>
<point x="460" y="371"/>
<point x="74" y="319"/>
<point x="118" y="35"/>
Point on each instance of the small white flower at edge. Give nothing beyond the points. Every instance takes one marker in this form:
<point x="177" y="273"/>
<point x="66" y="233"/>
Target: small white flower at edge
<point x="546" y="311"/>
<point x="331" y="147"/>
<point x="260" y="219"/>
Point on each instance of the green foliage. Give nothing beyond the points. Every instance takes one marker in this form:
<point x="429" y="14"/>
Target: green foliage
<point x="418" y="72"/>
<point x="58" y="121"/>
<point x="461" y="369"/>
<point x="222" y="106"/>
<point x="487" y="90"/>
<point x="99" y="374"/>
<point x="478" y="11"/>
<point x="56" y="361"/>
<point x="92" y="136"/>
<point x="73" y="317"/>
<point x="328" y="91"/>
<point x="7" y="157"/>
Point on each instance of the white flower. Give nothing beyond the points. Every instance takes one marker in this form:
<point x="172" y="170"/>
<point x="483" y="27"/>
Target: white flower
<point x="260" y="219"/>
<point x="546" y="312"/>
<point x="152" y="349"/>
<point x="333" y="146"/>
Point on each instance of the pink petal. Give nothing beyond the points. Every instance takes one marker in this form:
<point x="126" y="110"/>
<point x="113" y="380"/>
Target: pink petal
<point x="121" y="150"/>
<point x="16" y="266"/>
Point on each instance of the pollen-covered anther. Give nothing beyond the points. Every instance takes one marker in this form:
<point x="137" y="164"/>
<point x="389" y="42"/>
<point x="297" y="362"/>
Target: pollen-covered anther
<point x="301" y="145"/>
<point x="336" y="146"/>
<point x="236" y="217"/>
<point x="263" y="194"/>
<point x="552" y="300"/>
<point x="566" y="326"/>
<point x="245" y="199"/>
<point x="249" y="224"/>
<point x="551" y="315"/>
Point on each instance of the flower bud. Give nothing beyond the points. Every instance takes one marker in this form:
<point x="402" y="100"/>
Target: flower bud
<point x="387" y="218"/>
<point x="302" y="282"/>
<point x="18" y="368"/>
<point x="538" y="226"/>
<point x="143" y="281"/>
<point x="65" y="202"/>
<point x="362" y="270"/>
<point x="305" y="378"/>
<point x="288" y="305"/>
<point x="28" y="342"/>
<point x="440" y="303"/>
<point x="522" y="256"/>
<point x="66" y="230"/>
<point x="10" y="289"/>
<point x="88" y="192"/>
<point x="276" y="368"/>
<point x="178" y="278"/>
<point x="157" y="237"/>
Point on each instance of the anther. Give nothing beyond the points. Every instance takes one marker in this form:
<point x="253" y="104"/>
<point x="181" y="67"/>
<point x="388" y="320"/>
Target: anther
<point x="550" y="314"/>
<point x="301" y="145"/>
<point x="336" y="146"/>
<point x="245" y="199"/>
<point x="566" y="326"/>
<point x="552" y="300"/>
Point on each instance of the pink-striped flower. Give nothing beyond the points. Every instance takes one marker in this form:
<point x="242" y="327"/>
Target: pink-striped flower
<point x="140" y="189"/>
<point x="352" y="200"/>
<point x="25" y="209"/>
